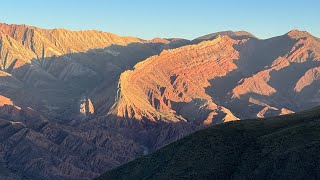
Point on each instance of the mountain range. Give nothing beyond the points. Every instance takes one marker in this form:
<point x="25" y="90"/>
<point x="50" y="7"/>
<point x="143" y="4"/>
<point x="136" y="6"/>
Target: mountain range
<point x="74" y="104"/>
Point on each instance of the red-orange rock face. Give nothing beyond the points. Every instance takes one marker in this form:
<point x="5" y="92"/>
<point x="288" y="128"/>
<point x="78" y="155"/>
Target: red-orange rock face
<point x="200" y="83"/>
<point x="162" y="86"/>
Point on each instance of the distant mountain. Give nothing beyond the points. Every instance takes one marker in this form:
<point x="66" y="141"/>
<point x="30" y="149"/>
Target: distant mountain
<point x="74" y="104"/>
<point x="284" y="147"/>
<point x="232" y="34"/>
<point x="161" y="44"/>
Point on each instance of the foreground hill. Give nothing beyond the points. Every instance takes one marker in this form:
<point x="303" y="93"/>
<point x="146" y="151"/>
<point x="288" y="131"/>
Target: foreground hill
<point x="284" y="147"/>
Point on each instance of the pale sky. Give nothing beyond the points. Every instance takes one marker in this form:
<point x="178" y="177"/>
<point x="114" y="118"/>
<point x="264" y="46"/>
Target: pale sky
<point x="167" y="18"/>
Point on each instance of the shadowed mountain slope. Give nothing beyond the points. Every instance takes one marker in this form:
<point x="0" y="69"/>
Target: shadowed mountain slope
<point x="284" y="147"/>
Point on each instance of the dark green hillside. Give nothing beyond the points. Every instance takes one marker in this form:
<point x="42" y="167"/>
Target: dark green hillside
<point x="284" y="147"/>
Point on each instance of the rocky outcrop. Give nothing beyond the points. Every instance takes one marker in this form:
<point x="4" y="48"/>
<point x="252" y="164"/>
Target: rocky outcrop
<point x="310" y="77"/>
<point x="86" y="106"/>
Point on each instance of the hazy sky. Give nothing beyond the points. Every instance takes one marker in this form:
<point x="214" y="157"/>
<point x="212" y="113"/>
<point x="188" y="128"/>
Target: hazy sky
<point x="167" y="18"/>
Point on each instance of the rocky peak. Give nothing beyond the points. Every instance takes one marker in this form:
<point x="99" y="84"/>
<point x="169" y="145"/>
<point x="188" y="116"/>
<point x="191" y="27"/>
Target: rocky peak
<point x="158" y="40"/>
<point x="296" y="34"/>
<point x="231" y="34"/>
